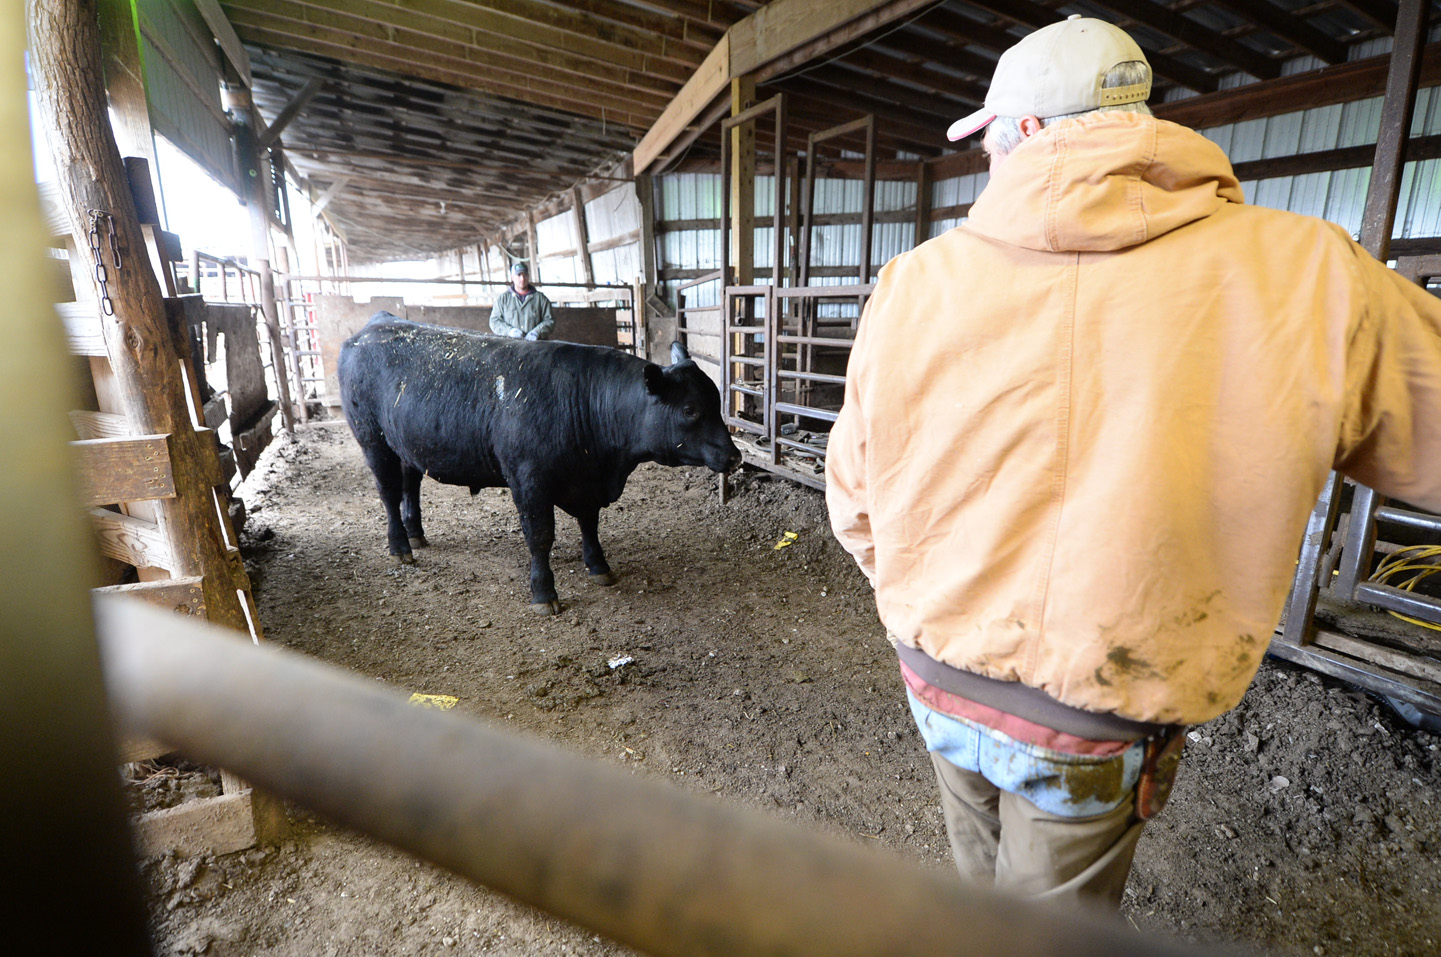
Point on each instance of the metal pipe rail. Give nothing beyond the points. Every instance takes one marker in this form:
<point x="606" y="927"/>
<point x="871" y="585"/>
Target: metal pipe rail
<point x="650" y="865"/>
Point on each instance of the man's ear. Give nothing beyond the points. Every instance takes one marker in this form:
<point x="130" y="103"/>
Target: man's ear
<point x="1030" y="126"/>
<point x="654" y="378"/>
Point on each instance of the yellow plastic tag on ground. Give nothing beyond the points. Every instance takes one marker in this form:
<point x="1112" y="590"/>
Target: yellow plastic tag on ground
<point x="786" y="539"/>
<point x="440" y="702"/>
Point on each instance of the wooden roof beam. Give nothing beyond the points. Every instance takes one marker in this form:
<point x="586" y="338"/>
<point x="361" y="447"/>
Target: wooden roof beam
<point x="428" y="35"/>
<point x="1194" y="35"/>
<point x="1288" y="27"/>
<point x="1380" y="12"/>
<point x="1035" y="16"/>
<point x="773" y="33"/>
<point x="578" y="100"/>
<point x="292" y="109"/>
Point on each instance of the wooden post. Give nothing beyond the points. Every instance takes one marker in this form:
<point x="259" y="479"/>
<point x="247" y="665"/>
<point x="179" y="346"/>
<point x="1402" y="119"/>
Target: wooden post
<point x="1379" y="218"/>
<point x="63" y="802"/>
<point x="257" y="200"/>
<point x="534" y="246"/>
<point x="582" y="235"/>
<point x="743" y="184"/>
<point x="923" y="202"/>
<point x="70" y="91"/>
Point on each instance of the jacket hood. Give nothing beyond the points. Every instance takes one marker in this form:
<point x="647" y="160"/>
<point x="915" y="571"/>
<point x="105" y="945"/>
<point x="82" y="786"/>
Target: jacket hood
<point x="1102" y="182"/>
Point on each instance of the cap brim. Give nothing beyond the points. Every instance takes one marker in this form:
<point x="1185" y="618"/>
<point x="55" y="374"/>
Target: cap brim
<point x="969" y="125"/>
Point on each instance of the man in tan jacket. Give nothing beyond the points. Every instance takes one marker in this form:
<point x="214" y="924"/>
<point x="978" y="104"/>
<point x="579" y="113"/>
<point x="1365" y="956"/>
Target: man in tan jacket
<point x="1080" y="505"/>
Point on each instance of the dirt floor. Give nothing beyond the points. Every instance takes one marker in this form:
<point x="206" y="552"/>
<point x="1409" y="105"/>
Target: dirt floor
<point x="1308" y="821"/>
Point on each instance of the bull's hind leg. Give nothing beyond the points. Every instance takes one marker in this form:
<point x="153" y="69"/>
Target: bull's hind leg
<point x="590" y="550"/>
<point x="390" y="481"/>
<point x="410" y="506"/>
<point x="537" y="521"/>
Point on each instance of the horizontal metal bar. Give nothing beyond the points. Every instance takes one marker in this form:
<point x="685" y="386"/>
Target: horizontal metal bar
<point x="745" y="425"/>
<point x="699" y="281"/>
<point x="826" y="292"/>
<point x="1398" y="599"/>
<point x="786" y="408"/>
<point x="287" y="277"/>
<point x="748" y="291"/>
<point x="816" y="341"/>
<point x="812" y="377"/>
<point x="688" y="309"/>
<point x="814" y="481"/>
<point x="650" y="865"/>
<point x="1401" y="516"/>
<point x="800" y="447"/>
<point x="1423" y="695"/>
<point x="748" y="360"/>
<point x="746" y="330"/>
<point x="745" y="391"/>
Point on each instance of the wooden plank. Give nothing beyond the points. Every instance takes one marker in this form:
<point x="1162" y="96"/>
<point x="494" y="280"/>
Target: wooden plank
<point x="128" y="469"/>
<point x="131" y="748"/>
<point x="217" y="825"/>
<point x="1323" y="161"/>
<point x="225" y="36"/>
<point x="1196" y="36"/>
<point x="1289" y="27"/>
<point x="1417" y="666"/>
<point x="1384" y="192"/>
<point x="710" y="80"/>
<point x="183" y="595"/>
<point x="100" y="425"/>
<point x="1343" y="83"/>
<point x="131" y="540"/>
<point x="290" y="111"/>
<point x="582" y="235"/>
<point x="621" y="106"/>
<point x="82" y="328"/>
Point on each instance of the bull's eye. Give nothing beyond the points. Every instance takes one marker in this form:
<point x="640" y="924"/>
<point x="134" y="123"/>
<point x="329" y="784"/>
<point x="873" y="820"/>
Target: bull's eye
<point x="689" y="412"/>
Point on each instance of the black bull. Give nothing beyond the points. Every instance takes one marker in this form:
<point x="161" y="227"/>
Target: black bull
<point x="555" y="422"/>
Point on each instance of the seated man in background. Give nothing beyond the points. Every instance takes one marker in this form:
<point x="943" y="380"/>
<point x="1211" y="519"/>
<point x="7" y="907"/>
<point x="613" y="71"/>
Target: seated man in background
<point x="1080" y="502"/>
<point x="522" y="311"/>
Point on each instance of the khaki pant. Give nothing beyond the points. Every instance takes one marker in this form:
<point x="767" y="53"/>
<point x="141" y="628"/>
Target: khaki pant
<point x="1003" y="838"/>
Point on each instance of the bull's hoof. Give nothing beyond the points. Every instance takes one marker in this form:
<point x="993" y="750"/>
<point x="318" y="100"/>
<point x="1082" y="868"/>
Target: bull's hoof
<point x="419" y="542"/>
<point x="602" y="578"/>
<point x="406" y="559"/>
<point x="546" y="608"/>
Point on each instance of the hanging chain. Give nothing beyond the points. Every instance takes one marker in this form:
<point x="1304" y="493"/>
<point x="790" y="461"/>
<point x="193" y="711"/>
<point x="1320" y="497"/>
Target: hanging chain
<point x="101" y="275"/>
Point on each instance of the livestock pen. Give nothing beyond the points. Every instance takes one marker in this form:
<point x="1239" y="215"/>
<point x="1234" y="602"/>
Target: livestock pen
<point x="714" y="755"/>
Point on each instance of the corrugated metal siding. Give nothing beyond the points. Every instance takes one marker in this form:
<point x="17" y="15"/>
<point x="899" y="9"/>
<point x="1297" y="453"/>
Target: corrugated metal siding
<point x="182" y="85"/>
<point x="1338" y="196"/>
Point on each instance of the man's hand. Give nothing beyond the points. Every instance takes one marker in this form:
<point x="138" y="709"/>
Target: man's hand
<point x="516" y="333"/>
<point x="532" y="336"/>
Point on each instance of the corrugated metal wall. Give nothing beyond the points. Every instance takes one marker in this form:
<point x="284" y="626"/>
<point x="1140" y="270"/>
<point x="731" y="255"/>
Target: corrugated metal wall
<point x="182" y="84"/>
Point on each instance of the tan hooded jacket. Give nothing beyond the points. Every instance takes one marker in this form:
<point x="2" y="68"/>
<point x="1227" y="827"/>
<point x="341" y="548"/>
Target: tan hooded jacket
<point x="1082" y="432"/>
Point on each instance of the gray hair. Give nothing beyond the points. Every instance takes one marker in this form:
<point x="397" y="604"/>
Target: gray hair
<point x="1006" y="134"/>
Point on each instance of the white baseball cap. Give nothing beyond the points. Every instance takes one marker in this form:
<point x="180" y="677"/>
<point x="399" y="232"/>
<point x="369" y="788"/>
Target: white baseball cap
<point x="1055" y="71"/>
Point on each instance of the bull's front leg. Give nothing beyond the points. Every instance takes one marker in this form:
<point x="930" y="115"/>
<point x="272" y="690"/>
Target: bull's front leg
<point x="537" y="521"/>
<point x="590" y="550"/>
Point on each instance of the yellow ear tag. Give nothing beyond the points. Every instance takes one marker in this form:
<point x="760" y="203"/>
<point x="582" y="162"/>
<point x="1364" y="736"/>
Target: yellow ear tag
<point x="787" y="539"/>
<point x="438" y="702"/>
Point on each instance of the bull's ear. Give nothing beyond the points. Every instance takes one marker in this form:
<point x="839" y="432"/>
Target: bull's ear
<point x="654" y="378"/>
<point x="678" y="353"/>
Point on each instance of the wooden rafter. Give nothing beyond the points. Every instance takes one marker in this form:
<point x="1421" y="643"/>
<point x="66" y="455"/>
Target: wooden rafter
<point x="395" y="58"/>
<point x="1288" y="27"/>
<point x="1035" y="16"/>
<point x="1192" y="34"/>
